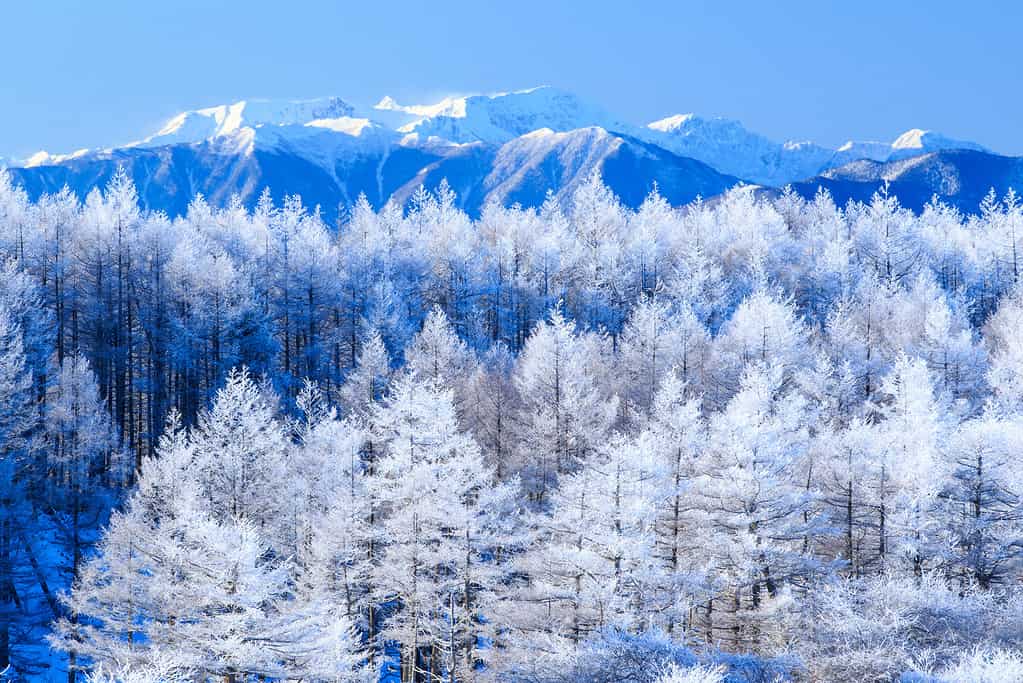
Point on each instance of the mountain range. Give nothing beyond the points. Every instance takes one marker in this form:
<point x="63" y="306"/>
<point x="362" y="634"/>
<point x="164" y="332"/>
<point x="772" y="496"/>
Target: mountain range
<point x="508" y="147"/>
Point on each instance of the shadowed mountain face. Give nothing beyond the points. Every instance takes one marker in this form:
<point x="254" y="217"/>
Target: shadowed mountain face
<point x="517" y="172"/>
<point x="960" y="178"/>
<point x="508" y="148"/>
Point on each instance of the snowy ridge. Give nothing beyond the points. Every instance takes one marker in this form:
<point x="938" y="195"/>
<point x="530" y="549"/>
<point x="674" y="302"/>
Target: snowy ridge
<point x="44" y="158"/>
<point x="203" y="124"/>
<point x="578" y="152"/>
<point x="499" y="118"/>
<point x="729" y="147"/>
<point x="917" y="141"/>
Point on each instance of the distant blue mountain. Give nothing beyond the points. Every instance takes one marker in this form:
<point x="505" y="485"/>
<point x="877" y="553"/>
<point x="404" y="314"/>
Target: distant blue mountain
<point x="958" y="177"/>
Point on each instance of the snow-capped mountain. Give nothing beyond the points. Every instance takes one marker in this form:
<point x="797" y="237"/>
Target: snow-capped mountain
<point x="496" y="119"/>
<point x="507" y="147"/>
<point x="730" y="148"/>
<point x="915" y="142"/>
<point x="912" y="143"/>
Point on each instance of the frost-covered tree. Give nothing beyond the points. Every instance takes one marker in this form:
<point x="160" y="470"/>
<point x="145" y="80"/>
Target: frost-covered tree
<point x="1006" y="373"/>
<point x="981" y="500"/>
<point x="696" y="674"/>
<point x="368" y="380"/>
<point x="189" y="571"/>
<point x="675" y="435"/>
<point x="762" y="330"/>
<point x="651" y="344"/>
<point x="758" y="512"/>
<point x="490" y="410"/>
<point x="437" y="354"/>
<point x="82" y="448"/>
<point x="881" y="626"/>
<point x="429" y="486"/>
<point x="908" y="469"/>
<point x="330" y="506"/>
<point x="240" y="451"/>
<point x="594" y="566"/>
<point x="733" y="407"/>
<point x="564" y="416"/>
<point x="18" y="422"/>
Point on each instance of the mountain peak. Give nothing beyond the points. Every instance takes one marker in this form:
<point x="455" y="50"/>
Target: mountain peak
<point x="44" y="158"/>
<point x="226" y="119"/>
<point x="670" y="123"/>
<point x="918" y="141"/>
<point x="911" y="139"/>
<point x="500" y="117"/>
<point x="449" y="106"/>
<point x="728" y="146"/>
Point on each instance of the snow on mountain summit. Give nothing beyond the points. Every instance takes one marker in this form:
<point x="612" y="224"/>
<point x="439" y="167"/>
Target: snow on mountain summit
<point x="225" y="119"/>
<point x="449" y="106"/>
<point x="913" y="142"/>
<point x="501" y="117"/>
<point x="918" y="141"/>
<point x="728" y="146"/>
<point x="44" y="158"/>
<point x="911" y="139"/>
<point x="671" y="123"/>
<point x="494" y="119"/>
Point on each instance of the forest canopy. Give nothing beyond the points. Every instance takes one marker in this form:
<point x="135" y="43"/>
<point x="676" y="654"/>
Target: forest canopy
<point x="755" y="438"/>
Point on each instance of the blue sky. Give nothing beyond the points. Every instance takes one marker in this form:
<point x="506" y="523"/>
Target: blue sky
<point x="84" y="74"/>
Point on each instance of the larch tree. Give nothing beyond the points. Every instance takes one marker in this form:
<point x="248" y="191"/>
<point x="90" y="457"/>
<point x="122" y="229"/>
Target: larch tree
<point x="427" y="487"/>
<point x="747" y="495"/>
<point x="492" y="403"/>
<point x="1001" y="335"/>
<point x="19" y="421"/>
<point x="240" y="454"/>
<point x="189" y="570"/>
<point x="437" y="354"/>
<point x="564" y="415"/>
<point x="651" y="343"/>
<point x="330" y="505"/>
<point x="599" y="542"/>
<point x="981" y="502"/>
<point x="675" y="434"/>
<point x="763" y="330"/>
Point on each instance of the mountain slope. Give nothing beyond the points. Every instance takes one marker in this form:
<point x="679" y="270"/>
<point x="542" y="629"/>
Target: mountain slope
<point x="729" y="147"/>
<point x="521" y="170"/>
<point x="958" y="177"/>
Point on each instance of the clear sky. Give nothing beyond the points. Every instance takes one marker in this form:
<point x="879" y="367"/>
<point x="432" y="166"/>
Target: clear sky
<point x="100" y="72"/>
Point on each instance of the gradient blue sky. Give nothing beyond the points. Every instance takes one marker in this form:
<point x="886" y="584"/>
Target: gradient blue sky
<point x="85" y="74"/>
